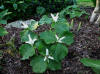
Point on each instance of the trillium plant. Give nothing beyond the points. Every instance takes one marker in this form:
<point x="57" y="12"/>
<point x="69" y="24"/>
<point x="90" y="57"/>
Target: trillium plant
<point x="47" y="49"/>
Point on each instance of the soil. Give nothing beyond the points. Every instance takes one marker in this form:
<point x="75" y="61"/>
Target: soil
<point x="86" y="44"/>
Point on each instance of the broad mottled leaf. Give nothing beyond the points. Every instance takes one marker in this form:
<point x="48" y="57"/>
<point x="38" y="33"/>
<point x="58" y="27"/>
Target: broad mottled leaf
<point x="3" y="31"/>
<point x="24" y="35"/>
<point x="97" y="71"/>
<point x="38" y="64"/>
<point x="59" y="51"/>
<point x="45" y="20"/>
<point x="40" y="45"/>
<point x="26" y="51"/>
<point x="91" y="63"/>
<point x="48" y="37"/>
<point x="69" y="38"/>
<point x="61" y="28"/>
<point x="53" y="65"/>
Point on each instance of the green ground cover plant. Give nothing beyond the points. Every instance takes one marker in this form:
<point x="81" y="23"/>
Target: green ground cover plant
<point x="3" y="21"/>
<point x="47" y="49"/>
<point x="30" y="7"/>
<point x="86" y="2"/>
<point x="73" y="11"/>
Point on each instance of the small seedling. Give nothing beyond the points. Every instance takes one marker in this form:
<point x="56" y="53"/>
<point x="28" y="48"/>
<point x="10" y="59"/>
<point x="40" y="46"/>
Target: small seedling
<point x="79" y="26"/>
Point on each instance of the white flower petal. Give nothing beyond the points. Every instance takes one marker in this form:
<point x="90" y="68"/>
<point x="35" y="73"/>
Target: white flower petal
<point x="30" y="40"/>
<point x="55" y="18"/>
<point x="59" y="41"/>
<point x="52" y="15"/>
<point x="62" y="38"/>
<point x="57" y="37"/>
<point x="33" y="41"/>
<point x="51" y="57"/>
<point x="47" y="52"/>
<point x="45" y="58"/>
<point x="57" y="14"/>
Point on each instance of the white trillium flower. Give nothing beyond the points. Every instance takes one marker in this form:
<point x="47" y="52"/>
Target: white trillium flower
<point x="24" y="25"/>
<point x="48" y="56"/>
<point x="55" y="18"/>
<point x="31" y="42"/>
<point x="59" y="39"/>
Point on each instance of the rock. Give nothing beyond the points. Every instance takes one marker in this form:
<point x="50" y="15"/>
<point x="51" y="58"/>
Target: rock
<point x="18" y="24"/>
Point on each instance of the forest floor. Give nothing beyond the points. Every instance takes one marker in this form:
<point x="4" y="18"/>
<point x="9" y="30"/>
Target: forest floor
<point x="86" y="44"/>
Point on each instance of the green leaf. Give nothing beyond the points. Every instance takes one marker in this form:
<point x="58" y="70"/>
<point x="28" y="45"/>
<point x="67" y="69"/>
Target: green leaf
<point x="40" y="45"/>
<point x="15" y="6"/>
<point x="59" y="51"/>
<point x="91" y="63"/>
<point x="24" y="35"/>
<point x="26" y="51"/>
<point x="3" y="13"/>
<point x="53" y="65"/>
<point x="97" y="71"/>
<point x="45" y="20"/>
<point x="38" y="64"/>
<point x="40" y="10"/>
<point x="3" y="31"/>
<point x="3" y="21"/>
<point x="62" y="20"/>
<point x="61" y="28"/>
<point x="69" y="38"/>
<point x="48" y="37"/>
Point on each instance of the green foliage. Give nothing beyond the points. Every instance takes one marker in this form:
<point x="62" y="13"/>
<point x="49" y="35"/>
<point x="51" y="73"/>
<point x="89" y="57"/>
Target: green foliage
<point x="2" y="15"/>
<point x="61" y="28"/>
<point x="59" y="51"/>
<point x="48" y="37"/>
<point x="3" y="31"/>
<point x="47" y="49"/>
<point x="24" y="35"/>
<point x="54" y="65"/>
<point x="38" y="64"/>
<point x="45" y="20"/>
<point x="94" y="64"/>
<point x="56" y="5"/>
<point x="26" y="8"/>
<point x="94" y="2"/>
<point x="73" y="11"/>
<point x="40" y="10"/>
<point x="17" y="7"/>
<point x="26" y="51"/>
